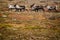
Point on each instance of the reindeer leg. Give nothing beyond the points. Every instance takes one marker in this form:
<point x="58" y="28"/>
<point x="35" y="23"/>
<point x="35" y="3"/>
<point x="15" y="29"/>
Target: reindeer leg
<point x="37" y="10"/>
<point x="23" y="9"/>
<point x="10" y="9"/>
<point x="20" y="10"/>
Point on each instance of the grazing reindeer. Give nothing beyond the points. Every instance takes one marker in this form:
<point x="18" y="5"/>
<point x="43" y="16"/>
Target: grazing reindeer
<point x="36" y="7"/>
<point x="20" y="8"/>
<point x="16" y="7"/>
<point x="51" y="8"/>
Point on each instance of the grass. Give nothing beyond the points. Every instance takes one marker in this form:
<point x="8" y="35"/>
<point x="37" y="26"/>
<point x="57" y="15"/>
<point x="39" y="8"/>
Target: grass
<point x="8" y="32"/>
<point x="29" y="26"/>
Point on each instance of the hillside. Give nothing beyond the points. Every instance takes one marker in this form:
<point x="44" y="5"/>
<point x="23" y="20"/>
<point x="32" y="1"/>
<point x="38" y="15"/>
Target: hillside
<point x="28" y="25"/>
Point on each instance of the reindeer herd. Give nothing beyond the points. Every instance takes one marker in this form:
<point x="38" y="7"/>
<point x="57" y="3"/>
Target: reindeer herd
<point x="33" y="7"/>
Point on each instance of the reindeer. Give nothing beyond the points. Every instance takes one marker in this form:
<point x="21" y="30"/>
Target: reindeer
<point x="36" y="7"/>
<point x="20" y="8"/>
<point x="16" y="7"/>
<point x="51" y="8"/>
